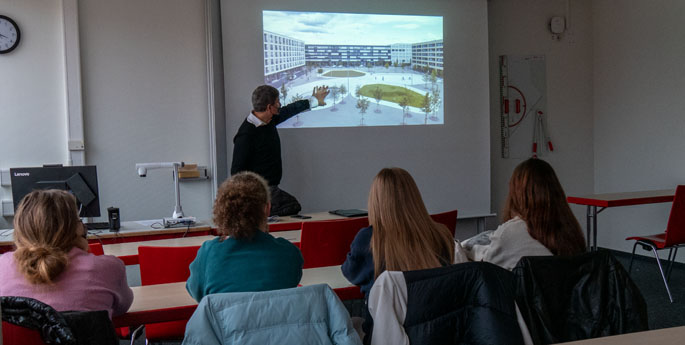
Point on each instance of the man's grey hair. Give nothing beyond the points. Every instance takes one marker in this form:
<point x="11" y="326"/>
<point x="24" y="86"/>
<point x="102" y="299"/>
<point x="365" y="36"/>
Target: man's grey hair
<point x="263" y="96"/>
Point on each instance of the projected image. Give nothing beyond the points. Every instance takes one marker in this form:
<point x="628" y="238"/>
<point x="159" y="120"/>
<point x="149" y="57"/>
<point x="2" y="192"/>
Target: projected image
<point x="382" y="70"/>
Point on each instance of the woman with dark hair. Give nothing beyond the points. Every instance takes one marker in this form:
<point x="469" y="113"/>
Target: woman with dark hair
<point x="52" y="263"/>
<point x="538" y="220"/>
<point x="245" y="257"/>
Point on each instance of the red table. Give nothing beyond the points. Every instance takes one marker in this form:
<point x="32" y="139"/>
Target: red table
<point x="605" y="200"/>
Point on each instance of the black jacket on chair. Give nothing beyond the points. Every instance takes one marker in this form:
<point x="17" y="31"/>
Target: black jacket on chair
<point x="567" y="298"/>
<point x="71" y="327"/>
<point x="470" y="303"/>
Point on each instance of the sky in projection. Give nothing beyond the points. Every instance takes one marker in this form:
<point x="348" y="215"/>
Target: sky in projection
<point x="349" y="28"/>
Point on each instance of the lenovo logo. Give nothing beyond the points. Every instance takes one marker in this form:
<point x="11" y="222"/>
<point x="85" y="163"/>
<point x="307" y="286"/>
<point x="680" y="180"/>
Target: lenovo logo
<point x="16" y="174"/>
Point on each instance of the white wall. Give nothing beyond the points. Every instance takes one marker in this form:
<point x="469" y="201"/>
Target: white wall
<point x="331" y="168"/>
<point x="33" y="120"/>
<point x="145" y="100"/>
<point x="521" y="28"/>
<point x="639" y="110"/>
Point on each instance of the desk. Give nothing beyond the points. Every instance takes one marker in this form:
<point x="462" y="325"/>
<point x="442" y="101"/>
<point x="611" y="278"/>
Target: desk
<point x="128" y="251"/>
<point x="170" y="302"/>
<point x="135" y="232"/>
<point x="674" y="335"/>
<point x="614" y="200"/>
<point x="290" y="223"/>
<point x="129" y="232"/>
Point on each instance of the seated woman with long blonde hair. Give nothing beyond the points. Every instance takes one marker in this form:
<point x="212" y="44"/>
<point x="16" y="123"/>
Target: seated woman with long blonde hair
<point x="52" y="263"/>
<point x="402" y="235"/>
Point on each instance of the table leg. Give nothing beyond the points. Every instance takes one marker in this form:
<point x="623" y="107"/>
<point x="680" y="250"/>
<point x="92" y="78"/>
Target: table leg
<point x="589" y="228"/>
<point x="594" y="228"/>
<point x="480" y="225"/>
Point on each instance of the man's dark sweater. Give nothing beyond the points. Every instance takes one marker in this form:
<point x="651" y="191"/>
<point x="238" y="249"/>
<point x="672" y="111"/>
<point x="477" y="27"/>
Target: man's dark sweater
<point x="258" y="149"/>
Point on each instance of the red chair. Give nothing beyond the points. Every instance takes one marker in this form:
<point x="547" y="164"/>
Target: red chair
<point x="326" y="243"/>
<point x="449" y="219"/>
<point x="671" y="239"/>
<point x="159" y="265"/>
<point x="96" y="248"/>
<point x="17" y="335"/>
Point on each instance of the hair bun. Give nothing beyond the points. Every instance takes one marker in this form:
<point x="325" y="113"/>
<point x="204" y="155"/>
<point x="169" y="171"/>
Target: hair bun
<point x="40" y="251"/>
<point x="41" y="264"/>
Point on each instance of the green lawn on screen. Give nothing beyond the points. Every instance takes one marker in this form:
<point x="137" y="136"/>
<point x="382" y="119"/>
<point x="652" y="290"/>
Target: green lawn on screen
<point x="393" y="94"/>
<point x="343" y="73"/>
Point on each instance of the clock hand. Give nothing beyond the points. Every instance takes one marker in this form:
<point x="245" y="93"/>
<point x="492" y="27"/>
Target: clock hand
<point x="3" y="35"/>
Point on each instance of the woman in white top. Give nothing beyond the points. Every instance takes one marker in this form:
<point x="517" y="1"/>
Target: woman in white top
<point x="538" y="220"/>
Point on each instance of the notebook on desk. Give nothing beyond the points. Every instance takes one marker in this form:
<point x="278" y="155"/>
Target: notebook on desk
<point x="351" y="212"/>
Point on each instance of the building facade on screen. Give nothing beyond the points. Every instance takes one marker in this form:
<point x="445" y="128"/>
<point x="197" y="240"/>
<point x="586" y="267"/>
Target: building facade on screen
<point x="385" y="69"/>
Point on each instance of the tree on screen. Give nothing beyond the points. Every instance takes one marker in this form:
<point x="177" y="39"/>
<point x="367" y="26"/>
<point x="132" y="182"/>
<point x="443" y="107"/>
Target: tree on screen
<point x="435" y="102"/>
<point x="358" y="91"/>
<point x="284" y="93"/>
<point x="297" y="97"/>
<point x="404" y="103"/>
<point x="335" y="91"/>
<point x="434" y="77"/>
<point x="426" y="78"/>
<point x="377" y="95"/>
<point x="362" y="105"/>
<point x="343" y="91"/>
<point x="426" y="106"/>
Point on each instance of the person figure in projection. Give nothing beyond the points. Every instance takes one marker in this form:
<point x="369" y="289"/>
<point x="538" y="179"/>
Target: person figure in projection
<point x="257" y="146"/>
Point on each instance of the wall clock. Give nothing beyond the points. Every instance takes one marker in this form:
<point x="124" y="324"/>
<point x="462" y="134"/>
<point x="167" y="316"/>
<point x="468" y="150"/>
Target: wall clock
<point x="9" y="34"/>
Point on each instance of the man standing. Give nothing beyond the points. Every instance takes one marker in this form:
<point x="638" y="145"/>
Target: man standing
<point x="257" y="146"/>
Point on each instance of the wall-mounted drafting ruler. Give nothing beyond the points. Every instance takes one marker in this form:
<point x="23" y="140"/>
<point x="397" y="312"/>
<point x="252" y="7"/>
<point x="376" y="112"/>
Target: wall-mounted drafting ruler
<point x="504" y="114"/>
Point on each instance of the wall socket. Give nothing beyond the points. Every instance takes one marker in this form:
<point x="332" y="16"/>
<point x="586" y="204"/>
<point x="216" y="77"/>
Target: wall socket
<point x="7" y="208"/>
<point x="5" y="179"/>
<point x="76" y="145"/>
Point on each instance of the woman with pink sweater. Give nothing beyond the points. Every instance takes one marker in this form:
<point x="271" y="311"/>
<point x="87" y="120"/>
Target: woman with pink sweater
<point x="51" y="262"/>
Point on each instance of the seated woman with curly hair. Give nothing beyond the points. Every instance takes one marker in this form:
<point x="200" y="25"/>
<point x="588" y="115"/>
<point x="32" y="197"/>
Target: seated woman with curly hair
<point x="245" y="257"/>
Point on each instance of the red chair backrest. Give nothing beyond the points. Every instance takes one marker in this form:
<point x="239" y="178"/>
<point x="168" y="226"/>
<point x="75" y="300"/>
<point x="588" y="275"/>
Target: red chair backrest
<point x="326" y="243"/>
<point x="675" y="230"/>
<point x="17" y="335"/>
<point x="96" y="248"/>
<point x="449" y="219"/>
<point x="159" y="265"/>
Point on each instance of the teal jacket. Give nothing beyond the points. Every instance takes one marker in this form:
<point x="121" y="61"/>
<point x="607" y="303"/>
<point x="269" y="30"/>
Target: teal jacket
<point x="304" y="315"/>
<point x="260" y="264"/>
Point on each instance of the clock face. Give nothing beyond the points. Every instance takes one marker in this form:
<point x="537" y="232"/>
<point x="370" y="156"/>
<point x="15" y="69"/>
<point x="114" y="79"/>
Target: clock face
<point x="9" y="34"/>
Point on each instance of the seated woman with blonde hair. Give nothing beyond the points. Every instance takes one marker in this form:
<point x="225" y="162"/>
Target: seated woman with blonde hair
<point x="538" y="220"/>
<point x="402" y="235"/>
<point x="51" y="262"/>
<point x="245" y="257"/>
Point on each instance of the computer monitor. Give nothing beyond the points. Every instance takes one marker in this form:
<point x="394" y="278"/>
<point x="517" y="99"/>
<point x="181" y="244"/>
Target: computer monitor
<point x="82" y="181"/>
